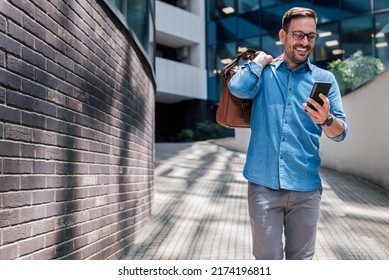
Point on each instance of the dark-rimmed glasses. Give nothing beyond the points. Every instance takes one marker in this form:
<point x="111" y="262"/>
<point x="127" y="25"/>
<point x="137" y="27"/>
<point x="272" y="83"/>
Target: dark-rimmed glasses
<point x="299" y="35"/>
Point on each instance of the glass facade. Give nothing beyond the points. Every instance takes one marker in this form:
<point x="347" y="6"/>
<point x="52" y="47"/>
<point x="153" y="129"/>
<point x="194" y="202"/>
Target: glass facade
<point x="138" y="16"/>
<point x="381" y="37"/>
<point x="344" y="27"/>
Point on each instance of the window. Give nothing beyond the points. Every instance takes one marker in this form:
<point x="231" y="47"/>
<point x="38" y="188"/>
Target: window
<point x="355" y="7"/>
<point x="226" y="30"/>
<point x="266" y="3"/>
<point x="211" y="33"/>
<point x="245" y="6"/>
<point x="214" y="88"/>
<point x="248" y="25"/>
<point x="271" y="44"/>
<point x="211" y="56"/>
<point x="272" y="19"/>
<point x="250" y="43"/>
<point x="357" y="35"/>
<point x="288" y="4"/>
<point x="381" y="37"/>
<point x="119" y="4"/>
<point x="219" y="56"/>
<point x="327" y="10"/>
<point x="138" y="17"/>
<point x="328" y="44"/>
<point x="166" y="52"/>
<point x="225" y="54"/>
<point x="183" y="4"/>
<point x="221" y="8"/>
<point x="380" y="5"/>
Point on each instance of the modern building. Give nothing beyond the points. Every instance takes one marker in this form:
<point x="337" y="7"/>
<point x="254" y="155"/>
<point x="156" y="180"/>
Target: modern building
<point x="180" y="66"/>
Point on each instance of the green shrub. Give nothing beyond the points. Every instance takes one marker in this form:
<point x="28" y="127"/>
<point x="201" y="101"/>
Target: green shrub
<point x="353" y="72"/>
<point x="207" y="130"/>
<point x="203" y="131"/>
<point x="185" y="135"/>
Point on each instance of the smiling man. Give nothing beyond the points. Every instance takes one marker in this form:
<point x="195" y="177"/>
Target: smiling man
<point x="282" y="165"/>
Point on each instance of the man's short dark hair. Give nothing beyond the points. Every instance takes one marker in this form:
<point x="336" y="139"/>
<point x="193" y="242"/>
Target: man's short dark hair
<point x="297" y="12"/>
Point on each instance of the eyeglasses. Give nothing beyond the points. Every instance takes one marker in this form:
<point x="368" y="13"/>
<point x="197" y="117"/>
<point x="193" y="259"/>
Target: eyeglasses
<point x="299" y="35"/>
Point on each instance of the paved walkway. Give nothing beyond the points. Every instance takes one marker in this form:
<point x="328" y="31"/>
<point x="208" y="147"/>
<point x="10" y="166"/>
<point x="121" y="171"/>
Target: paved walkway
<point x="200" y="210"/>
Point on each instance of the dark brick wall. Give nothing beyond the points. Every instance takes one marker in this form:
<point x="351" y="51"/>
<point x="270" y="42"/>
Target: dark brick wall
<point x="76" y="132"/>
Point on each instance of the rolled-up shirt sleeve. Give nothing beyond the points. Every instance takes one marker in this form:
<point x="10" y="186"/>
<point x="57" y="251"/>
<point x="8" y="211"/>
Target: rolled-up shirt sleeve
<point x="342" y="136"/>
<point x="246" y="83"/>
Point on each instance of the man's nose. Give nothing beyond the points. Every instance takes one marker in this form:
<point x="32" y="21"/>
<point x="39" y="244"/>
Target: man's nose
<point x="305" y="40"/>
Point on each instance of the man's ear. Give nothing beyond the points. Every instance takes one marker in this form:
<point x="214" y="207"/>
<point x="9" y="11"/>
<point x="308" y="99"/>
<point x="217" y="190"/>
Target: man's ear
<point x="281" y="35"/>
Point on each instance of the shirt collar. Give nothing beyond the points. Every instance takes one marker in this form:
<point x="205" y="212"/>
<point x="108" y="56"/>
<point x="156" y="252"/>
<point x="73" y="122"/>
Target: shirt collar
<point x="280" y="60"/>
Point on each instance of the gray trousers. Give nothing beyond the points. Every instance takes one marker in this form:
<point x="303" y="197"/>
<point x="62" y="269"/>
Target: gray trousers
<point x="274" y="212"/>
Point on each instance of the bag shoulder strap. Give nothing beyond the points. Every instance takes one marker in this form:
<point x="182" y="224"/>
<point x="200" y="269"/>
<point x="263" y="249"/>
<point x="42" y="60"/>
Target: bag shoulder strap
<point x="245" y="55"/>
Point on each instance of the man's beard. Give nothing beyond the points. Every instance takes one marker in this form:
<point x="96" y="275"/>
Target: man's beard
<point x="300" y="53"/>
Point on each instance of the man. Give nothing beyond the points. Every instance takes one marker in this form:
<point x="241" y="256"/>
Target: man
<point x="283" y="161"/>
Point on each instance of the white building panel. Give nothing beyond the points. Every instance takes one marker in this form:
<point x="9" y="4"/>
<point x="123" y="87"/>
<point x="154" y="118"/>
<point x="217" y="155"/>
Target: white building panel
<point x="179" y="81"/>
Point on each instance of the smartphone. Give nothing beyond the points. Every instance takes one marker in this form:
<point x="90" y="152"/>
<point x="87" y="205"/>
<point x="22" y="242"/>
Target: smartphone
<point x="319" y="87"/>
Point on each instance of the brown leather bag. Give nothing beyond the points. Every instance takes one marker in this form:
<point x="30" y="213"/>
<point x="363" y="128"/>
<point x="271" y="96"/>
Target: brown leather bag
<point x="233" y="111"/>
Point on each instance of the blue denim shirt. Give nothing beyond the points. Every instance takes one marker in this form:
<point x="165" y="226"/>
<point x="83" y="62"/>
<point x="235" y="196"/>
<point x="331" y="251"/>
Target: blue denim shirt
<point x="283" y="152"/>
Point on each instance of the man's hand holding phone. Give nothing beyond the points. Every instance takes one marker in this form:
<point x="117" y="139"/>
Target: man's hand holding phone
<point x="318" y="106"/>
